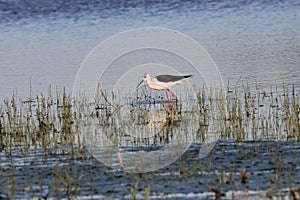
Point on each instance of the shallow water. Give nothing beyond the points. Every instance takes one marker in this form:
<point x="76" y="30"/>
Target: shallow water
<point x="45" y="42"/>
<point x="36" y="174"/>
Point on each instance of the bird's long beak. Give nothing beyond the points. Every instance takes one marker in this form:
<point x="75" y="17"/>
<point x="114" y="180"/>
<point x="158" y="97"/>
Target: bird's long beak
<point x="139" y="84"/>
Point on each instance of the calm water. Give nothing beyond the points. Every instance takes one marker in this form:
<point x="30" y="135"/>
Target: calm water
<point x="45" y="42"/>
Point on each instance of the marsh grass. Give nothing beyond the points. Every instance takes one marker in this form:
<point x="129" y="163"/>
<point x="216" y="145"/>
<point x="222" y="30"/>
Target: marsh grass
<point x="43" y="122"/>
<point x="51" y="122"/>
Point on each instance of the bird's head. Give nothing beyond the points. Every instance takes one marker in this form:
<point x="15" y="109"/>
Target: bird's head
<point x="146" y="77"/>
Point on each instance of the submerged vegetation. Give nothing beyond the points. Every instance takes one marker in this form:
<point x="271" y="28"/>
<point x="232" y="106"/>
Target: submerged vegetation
<point x="55" y="125"/>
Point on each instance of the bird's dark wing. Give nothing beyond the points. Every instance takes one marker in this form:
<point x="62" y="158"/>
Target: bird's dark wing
<point x="170" y="78"/>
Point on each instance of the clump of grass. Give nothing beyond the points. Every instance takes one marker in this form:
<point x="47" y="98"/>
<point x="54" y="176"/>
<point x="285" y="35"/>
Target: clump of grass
<point x="40" y="122"/>
<point x="263" y="115"/>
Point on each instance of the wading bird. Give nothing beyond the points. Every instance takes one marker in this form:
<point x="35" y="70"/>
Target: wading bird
<point x="164" y="82"/>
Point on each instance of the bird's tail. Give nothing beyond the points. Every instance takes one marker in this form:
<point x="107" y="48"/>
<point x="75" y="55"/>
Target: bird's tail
<point x="187" y="76"/>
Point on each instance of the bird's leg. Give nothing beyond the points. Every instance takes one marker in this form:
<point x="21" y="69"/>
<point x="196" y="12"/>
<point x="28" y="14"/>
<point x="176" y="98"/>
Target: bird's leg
<point x="173" y="94"/>
<point x="167" y="95"/>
